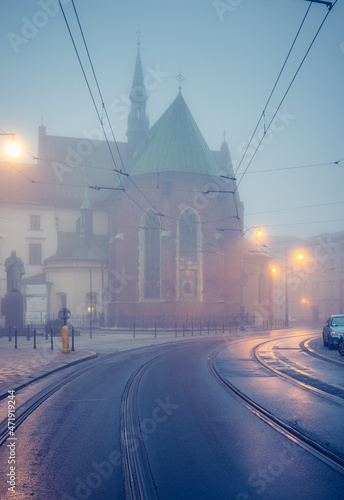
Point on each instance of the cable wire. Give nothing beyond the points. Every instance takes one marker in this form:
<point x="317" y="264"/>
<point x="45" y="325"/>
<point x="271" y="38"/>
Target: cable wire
<point x="273" y="89"/>
<point x="287" y="91"/>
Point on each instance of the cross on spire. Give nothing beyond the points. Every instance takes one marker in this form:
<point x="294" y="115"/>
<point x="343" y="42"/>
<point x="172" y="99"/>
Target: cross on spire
<point x="138" y="32"/>
<point x="180" y="78"/>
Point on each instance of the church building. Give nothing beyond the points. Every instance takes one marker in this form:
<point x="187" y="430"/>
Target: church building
<point x="169" y="259"/>
<point x="145" y="231"/>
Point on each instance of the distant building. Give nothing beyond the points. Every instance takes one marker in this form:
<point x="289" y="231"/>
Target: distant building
<point x="144" y="231"/>
<point x="309" y="279"/>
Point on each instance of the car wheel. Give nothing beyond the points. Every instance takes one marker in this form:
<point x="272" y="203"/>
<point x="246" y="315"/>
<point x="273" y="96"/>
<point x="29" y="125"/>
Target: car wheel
<point x="324" y="342"/>
<point x="341" y="347"/>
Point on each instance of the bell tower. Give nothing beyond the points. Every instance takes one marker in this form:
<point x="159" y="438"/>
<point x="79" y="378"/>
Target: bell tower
<point x="138" y="123"/>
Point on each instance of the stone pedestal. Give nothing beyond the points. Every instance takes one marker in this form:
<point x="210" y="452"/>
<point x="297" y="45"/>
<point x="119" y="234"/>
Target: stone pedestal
<point x="14" y="310"/>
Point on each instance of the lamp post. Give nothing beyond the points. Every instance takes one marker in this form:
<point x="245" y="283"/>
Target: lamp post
<point x="13" y="148"/>
<point x="286" y="319"/>
<point x="259" y="233"/>
<point x="298" y="258"/>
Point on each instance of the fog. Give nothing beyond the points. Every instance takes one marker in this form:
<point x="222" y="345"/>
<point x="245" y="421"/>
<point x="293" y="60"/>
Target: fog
<point x="230" y="54"/>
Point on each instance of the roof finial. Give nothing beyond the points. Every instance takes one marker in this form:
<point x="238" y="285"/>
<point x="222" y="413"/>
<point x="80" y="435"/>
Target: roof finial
<point x="180" y="78"/>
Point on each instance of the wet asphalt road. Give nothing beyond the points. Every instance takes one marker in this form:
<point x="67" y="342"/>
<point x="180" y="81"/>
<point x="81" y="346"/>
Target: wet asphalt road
<point x="200" y="442"/>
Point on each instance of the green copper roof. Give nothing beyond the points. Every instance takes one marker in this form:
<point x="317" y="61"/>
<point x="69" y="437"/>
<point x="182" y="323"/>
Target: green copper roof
<point x="175" y="144"/>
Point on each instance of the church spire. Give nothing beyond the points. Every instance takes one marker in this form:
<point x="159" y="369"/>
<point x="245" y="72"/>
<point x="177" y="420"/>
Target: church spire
<point x="138" y="124"/>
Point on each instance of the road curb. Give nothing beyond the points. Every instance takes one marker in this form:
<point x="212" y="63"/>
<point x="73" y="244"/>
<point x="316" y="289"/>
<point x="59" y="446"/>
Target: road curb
<point x="16" y="386"/>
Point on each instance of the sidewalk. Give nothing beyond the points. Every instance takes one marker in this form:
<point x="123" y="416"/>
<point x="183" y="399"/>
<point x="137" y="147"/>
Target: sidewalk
<point x="19" y="367"/>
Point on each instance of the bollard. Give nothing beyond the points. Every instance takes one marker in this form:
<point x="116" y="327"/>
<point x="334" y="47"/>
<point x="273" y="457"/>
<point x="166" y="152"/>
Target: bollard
<point x="65" y="340"/>
<point x="15" y="338"/>
<point x="51" y="339"/>
<point x="34" y="338"/>
<point x="28" y="333"/>
<point x="72" y="338"/>
<point x="155" y="330"/>
<point x="9" y="334"/>
<point x="134" y="330"/>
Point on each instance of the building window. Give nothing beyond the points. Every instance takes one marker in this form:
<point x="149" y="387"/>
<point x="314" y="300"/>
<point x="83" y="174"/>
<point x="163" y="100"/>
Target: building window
<point x="35" y="253"/>
<point x="150" y="255"/>
<point x="35" y="222"/>
<point x="188" y="255"/>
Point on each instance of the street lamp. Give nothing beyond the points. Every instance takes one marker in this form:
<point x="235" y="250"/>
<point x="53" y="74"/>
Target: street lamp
<point x="259" y="234"/>
<point x="300" y="256"/>
<point x="13" y="148"/>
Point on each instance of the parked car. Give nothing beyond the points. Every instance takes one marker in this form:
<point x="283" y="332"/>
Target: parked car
<point x="333" y="330"/>
<point x="341" y="345"/>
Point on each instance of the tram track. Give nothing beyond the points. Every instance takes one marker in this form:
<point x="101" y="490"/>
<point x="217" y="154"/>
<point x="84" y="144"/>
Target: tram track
<point x="332" y="459"/>
<point x="27" y="408"/>
<point x="304" y="345"/>
<point x="138" y="479"/>
<point x="299" y="379"/>
<point x="31" y="404"/>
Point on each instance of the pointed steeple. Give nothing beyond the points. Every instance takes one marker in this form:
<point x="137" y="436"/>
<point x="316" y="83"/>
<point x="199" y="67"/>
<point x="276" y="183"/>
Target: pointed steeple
<point x="138" y="124"/>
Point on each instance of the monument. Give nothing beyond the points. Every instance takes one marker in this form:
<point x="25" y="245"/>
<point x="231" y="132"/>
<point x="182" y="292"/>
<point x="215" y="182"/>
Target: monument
<point x="14" y="301"/>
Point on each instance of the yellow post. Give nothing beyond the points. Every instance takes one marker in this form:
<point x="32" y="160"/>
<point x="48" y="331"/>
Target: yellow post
<point x="65" y="339"/>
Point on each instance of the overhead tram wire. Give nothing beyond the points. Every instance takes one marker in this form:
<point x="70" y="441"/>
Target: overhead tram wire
<point x="19" y="171"/>
<point x="89" y="88"/>
<point x="296" y="208"/>
<point x="103" y="108"/>
<point x="107" y="117"/>
<point x="98" y="87"/>
<point x="296" y="167"/>
<point x="286" y="92"/>
<point x="273" y="89"/>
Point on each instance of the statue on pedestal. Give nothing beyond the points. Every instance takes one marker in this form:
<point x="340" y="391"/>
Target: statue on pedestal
<point x="14" y="267"/>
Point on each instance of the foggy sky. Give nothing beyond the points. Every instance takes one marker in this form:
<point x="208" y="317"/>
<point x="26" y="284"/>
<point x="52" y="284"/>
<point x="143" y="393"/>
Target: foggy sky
<point x="230" y="53"/>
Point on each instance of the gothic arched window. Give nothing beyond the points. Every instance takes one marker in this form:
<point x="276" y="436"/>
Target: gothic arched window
<point x="188" y="254"/>
<point x="150" y="256"/>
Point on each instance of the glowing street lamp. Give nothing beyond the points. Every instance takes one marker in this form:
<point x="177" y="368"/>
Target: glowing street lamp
<point x="13" y="148"/>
